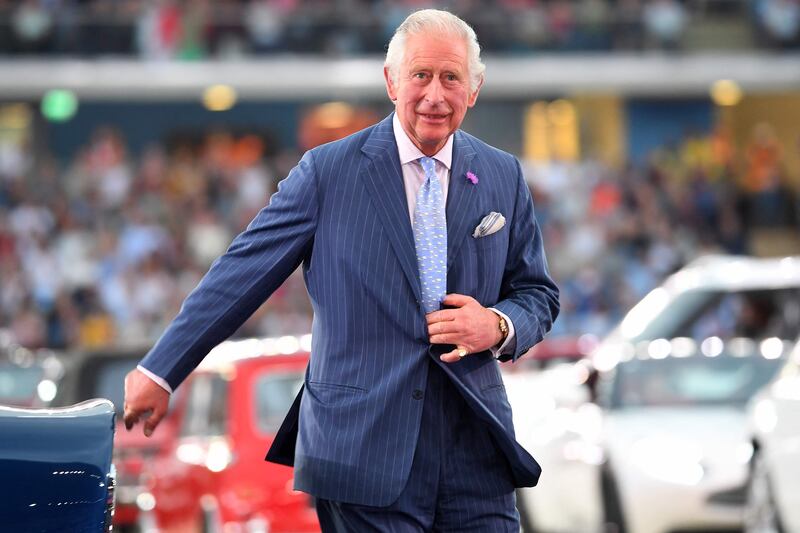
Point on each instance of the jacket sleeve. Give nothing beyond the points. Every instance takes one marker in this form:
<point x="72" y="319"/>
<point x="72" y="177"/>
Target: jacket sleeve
<point x="238" y="282"/>
<point x="528" y="295"/>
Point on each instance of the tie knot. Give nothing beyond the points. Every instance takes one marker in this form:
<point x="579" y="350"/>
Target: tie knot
<point x="429" y="166"/>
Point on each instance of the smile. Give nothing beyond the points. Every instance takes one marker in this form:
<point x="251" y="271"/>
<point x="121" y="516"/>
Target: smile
<point x="433" y="118"/>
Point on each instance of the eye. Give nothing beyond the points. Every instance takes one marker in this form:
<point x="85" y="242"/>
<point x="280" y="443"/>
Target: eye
<point x="419" y="75"/>
<point x="451" y="77"/>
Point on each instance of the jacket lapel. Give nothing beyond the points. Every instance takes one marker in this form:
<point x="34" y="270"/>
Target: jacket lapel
<point x="462" y="196"/>
<point x="384" y="181"/>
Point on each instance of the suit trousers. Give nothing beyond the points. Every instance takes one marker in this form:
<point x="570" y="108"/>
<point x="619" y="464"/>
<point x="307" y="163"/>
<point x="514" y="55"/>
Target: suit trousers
<point x="459" y="479"/>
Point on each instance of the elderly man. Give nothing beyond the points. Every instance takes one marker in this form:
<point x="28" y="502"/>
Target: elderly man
<point x="424" y="265"/>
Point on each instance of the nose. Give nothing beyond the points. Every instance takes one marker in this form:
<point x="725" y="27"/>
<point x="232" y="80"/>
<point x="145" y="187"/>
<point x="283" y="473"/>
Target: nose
<point x="434" y="92"/>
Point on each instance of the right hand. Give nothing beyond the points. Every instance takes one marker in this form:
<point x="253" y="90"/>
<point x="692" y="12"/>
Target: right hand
<point x="145" y="399"/>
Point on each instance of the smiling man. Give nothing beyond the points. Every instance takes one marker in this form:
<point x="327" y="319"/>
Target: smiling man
<point x="424" y="264"/>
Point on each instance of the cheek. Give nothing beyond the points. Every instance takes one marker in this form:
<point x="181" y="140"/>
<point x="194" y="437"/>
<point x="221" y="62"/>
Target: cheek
<point x="459" y="110"/>
<point x="459" y="101"/>
<point x="410" y="94"/>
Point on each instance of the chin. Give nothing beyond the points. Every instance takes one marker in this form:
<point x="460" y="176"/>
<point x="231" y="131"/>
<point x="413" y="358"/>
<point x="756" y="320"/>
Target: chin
<point x="435" y="135"/>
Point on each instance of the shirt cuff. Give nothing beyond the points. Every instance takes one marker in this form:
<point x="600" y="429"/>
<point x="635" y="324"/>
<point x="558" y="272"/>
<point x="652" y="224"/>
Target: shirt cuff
<point x="510" y="344"/>
<point x="160" y="381"/>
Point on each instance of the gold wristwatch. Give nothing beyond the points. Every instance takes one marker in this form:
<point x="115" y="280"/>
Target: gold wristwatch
<point x="503" y="329"/>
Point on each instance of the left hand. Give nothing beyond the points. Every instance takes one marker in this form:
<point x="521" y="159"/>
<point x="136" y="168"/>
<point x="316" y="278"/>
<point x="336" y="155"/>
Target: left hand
<point x="144" y="399"/>
<point x="470" y="327"/>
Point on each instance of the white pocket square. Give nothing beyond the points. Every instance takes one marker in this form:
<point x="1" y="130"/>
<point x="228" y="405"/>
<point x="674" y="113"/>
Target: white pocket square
<point x="491" y="223"/>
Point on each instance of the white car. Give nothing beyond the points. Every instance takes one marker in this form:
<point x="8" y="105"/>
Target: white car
<point x="631" y="467"/>
<point x="773" y="495"/>
<point x="548" y="405"/>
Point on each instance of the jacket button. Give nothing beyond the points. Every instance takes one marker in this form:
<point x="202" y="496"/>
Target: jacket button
<point x="417" y="394"/>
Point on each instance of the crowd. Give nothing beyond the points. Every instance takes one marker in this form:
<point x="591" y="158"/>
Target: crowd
<point x="105" y="248"/>
<point x="198" y="29"/>
<point x="102" y="249"/>
<point x="614" y="234"/>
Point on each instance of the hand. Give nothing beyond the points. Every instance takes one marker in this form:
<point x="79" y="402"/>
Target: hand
<point x="146" y="399"/>
<point x="470" y="327"/>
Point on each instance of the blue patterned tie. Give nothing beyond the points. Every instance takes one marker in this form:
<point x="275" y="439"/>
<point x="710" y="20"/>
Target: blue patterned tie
<point x="430" y="238"/>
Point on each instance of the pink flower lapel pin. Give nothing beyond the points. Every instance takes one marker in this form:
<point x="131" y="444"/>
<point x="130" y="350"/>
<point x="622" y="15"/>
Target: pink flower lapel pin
<point x="471" y="177"/>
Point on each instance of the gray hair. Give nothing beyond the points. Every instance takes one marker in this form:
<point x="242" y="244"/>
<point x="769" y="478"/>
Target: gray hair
<point x="436" y="22"/>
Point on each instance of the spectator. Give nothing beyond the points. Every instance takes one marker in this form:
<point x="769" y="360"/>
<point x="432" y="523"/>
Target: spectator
<point x="664" y="23"/>
<point x="32" y="26"/>
<point x="781" y="20"/>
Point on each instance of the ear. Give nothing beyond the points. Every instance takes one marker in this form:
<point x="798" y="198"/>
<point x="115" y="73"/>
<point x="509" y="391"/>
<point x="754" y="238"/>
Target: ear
<point x="474" y="96"/>
<point x="391" y="90"/>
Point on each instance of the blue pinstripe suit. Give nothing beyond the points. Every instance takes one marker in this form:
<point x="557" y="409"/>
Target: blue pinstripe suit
<point x="342" y="214"/>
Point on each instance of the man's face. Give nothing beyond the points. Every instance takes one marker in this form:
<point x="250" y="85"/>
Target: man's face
<point x="432" y="89"/>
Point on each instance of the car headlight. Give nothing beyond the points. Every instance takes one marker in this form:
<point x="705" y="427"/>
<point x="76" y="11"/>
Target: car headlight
<point x="669" y="460"/>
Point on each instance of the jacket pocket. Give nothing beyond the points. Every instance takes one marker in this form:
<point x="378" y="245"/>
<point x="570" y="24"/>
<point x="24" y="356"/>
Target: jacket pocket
<point x="334" y="393"/>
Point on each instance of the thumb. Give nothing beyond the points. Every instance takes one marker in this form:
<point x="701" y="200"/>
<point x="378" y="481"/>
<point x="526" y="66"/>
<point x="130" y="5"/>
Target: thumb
<point x="457" y="300"/>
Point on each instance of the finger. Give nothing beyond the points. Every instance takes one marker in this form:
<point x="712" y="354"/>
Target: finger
<point x="451" y="357"/>
<point x="131" y="418"/>
<point x="445" y="315"/>
<point x="129" y="421"/>
<point x="440" y="339"/>
<point x="458" y="300"/>
<point x="152" y="422"/>
<point x="438" y="328"/>
<point x="447" y="338"/>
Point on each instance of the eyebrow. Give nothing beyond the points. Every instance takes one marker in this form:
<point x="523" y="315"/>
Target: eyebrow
<point x="446" y="70"/>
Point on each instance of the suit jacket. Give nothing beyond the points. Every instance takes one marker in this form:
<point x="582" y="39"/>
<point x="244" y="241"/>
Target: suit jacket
<point x="342" y="214"/>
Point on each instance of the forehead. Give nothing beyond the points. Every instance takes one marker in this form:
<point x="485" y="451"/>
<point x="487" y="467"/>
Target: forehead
<point x="437" y="51"/>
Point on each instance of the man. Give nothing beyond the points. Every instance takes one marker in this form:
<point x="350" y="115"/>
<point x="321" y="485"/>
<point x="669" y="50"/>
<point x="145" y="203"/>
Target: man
<point x="403" y="423"/>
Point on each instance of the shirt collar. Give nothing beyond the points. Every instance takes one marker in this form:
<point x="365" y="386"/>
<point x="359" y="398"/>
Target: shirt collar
<point x="408" y="151"/>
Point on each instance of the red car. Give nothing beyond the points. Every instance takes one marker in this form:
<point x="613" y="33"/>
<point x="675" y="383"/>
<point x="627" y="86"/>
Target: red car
<point x="214" y="477"/>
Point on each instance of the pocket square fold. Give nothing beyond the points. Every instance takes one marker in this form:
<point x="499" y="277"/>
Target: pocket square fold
<point x="491" y="223"/>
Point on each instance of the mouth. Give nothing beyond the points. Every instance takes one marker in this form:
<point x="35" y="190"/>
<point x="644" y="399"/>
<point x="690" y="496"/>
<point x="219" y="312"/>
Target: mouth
<point x="433" y="118"/>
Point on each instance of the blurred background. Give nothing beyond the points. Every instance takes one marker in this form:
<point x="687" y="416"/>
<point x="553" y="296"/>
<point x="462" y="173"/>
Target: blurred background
<point x="138" y="137"/>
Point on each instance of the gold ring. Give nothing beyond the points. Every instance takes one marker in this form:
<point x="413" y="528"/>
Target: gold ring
<point x="462" y="352"/>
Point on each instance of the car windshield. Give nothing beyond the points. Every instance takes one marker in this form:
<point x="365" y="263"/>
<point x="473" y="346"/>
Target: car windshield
<point x="695" y="380"/>
<point x="18" y="384"/>
<point x="274" y="394"/>
<point x="704" y="313"/>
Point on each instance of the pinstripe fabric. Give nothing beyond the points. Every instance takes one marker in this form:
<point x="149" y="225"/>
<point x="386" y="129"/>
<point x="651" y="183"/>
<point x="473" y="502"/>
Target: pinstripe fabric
<point x="342" y="213"/>
<point x="458" y="480"/>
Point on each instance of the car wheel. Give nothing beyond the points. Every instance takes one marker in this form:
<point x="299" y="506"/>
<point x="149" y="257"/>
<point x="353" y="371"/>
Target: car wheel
<point x="525" y="513"/>
<point x="761" y="514"/>
<point x="613" y="517"/>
